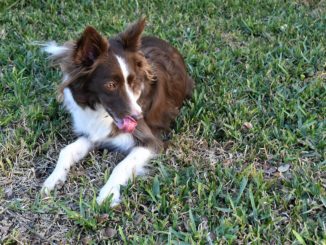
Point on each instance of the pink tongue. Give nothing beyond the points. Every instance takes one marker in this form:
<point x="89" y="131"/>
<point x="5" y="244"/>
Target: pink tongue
<point x="129" y="124"/>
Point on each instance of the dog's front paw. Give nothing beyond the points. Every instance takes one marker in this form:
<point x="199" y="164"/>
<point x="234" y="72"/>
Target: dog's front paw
<point x="55" y="179"/>
<point x="106" y="191"/>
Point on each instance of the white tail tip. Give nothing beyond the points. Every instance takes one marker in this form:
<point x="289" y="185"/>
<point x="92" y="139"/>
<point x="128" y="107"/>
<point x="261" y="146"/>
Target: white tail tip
<point x="53" y="49"/>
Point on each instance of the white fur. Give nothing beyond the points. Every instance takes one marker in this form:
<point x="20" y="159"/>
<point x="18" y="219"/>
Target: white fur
<point x="53" y="49"/>
<point x="132" y="165"/>
<point x="69" y="155"/>
<point x="96" y="124"/>
<point x="123" y="142"/>
<point x="135" y="108"/>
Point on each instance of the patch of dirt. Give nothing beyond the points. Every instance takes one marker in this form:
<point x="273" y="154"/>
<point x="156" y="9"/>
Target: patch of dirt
<point x="232" y="40"/>
<point x="23" y="219"/>
<point x="190" y="150"/>
<point x="25" y="216"/>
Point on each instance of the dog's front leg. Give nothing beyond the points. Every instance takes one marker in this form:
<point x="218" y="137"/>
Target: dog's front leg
<point x="132" y="165"/>
<point x="69" y="155"/>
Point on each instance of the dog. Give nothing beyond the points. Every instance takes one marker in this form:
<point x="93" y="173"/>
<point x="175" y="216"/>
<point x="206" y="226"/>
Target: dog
<point x="122" y="93"/>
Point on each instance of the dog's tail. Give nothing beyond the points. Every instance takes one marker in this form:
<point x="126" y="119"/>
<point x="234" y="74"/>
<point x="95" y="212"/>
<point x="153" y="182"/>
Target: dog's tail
<point x="54" y="49"/>
<point x="59" y="54"/>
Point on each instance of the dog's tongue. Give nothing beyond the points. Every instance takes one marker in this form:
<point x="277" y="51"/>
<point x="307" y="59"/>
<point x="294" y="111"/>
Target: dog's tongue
<point x="128" y="125"/>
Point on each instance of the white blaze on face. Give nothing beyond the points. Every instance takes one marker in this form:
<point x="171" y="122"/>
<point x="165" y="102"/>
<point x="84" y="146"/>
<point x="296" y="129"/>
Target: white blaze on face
<point x="135" y="108"/>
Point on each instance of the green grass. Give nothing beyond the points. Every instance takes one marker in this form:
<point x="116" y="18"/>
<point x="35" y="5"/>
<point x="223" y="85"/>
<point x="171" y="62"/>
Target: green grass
<point x="259" y="103"/>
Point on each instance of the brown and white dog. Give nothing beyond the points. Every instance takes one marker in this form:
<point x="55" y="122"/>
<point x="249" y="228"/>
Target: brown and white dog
<point x="122" y="93"/>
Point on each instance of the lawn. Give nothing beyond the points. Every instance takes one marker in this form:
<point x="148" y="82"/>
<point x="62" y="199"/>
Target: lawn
<point x="246" y="160"/>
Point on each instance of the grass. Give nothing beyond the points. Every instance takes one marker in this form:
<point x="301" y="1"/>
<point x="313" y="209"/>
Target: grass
<point x="246" y="162"/>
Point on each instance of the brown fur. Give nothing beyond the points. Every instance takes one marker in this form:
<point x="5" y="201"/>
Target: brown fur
<point x="154" y="63"/>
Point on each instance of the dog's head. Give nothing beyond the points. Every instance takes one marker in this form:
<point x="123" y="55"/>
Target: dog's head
<point x="107" y="72"/>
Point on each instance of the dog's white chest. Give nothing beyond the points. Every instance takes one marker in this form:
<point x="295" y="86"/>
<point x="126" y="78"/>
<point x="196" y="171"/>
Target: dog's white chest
<point x="95" y="124"/>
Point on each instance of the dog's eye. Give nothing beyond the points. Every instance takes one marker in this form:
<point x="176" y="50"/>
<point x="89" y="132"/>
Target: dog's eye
<point x="130" y="79"/>
<point x="110" y="86"/>
<point x="139" y="64"/>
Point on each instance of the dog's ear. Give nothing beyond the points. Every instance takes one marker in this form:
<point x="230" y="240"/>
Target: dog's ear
<point x="131" y="37"/>
<point x="89" y="47"/>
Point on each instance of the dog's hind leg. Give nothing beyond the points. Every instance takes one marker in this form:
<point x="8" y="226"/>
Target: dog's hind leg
<point x="69" y="155"/>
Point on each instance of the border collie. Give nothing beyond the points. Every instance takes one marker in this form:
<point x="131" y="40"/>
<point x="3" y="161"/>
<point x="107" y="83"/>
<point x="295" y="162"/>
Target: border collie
<point x="122" y="93"/>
